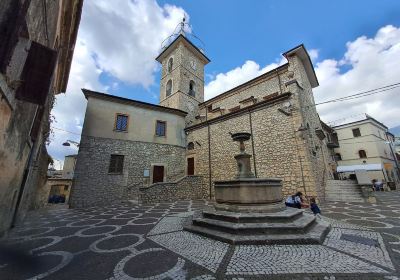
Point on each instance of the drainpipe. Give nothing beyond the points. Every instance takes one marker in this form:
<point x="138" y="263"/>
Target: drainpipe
<point x="279" y="79"/>
<point x="252" y="144"/>
<point x="209" y="158"/>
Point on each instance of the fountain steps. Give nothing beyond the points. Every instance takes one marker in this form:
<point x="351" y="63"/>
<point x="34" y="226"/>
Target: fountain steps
<point x="301" y="225"/>
<point x="315" y="234"/>
<point x="250" y="210"/>
<point x="287" y="215"/>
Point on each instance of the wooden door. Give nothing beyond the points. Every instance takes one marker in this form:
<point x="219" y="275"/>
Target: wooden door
<point x="158" y="174"/>
<point x="190" y="166"/>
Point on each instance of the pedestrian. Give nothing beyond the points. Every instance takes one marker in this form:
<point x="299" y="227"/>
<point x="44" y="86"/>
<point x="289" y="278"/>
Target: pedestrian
<point x="295" y="201"/>
<point x="314" y="207"/>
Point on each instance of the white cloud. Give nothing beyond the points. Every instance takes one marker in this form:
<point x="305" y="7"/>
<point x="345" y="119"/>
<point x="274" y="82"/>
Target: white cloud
<point x="226" y="81"/>
<point x="371" y="63"/>
<point x="126" y="36"/>
<point x="120" y="38"/>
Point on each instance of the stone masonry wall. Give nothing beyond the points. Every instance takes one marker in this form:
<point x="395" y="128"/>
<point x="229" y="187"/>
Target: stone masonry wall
<point x="188" y="187"/>
<point x="275" y="148"/>
<point x="314" y="157"/>
<point x="93" y="185"/>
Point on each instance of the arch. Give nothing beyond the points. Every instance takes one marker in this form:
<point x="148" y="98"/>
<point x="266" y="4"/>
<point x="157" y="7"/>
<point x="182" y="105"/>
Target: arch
<point x="192" y="91"/>
<point x="170" y="64"/>
<point x="168" y="88"/>
<point x="190" y="146"/>
<point x="362" y="153"/>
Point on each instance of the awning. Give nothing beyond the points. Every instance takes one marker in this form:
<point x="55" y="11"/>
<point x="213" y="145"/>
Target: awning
<point x="352" y="168"/>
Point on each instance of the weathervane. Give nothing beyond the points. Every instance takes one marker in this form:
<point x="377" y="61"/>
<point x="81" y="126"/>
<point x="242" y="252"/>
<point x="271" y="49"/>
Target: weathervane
<point x="181" y="31"/>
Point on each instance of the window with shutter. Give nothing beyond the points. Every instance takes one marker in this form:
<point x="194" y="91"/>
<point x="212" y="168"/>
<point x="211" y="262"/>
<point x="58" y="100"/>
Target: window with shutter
<point x="116" y="164"/>
<point x="37" y="74"/>
<point x="121" y="122"/>
<point x="161" y="128"/>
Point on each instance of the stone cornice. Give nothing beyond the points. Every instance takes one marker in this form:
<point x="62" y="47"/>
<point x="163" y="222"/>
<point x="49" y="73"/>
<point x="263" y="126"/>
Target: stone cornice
<point x="242" y="111"/>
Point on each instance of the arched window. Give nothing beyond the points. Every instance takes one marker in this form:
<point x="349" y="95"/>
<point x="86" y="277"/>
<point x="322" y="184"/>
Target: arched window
<point x="192" y="91"/>
<point x="190" y="146"/>
<point x="338" y="156"/>
<point x="362" y="153"/>
<point x="168" y="89"/>
<point x="170" y="64"/>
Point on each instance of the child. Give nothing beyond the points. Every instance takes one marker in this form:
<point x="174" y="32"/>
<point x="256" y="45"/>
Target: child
<point x="314" y="207"/>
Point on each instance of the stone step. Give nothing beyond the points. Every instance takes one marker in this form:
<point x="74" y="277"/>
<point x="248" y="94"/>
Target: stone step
<point x="288" y="214"/>
<point x="315" y="235"/>
<point x="300" y="225"/>
<point x="344" y="199"/>
<point x="343" y="192"/>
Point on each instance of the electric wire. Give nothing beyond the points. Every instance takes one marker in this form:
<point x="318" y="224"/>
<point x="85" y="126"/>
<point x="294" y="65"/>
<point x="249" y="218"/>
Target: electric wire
<point x="362" y="94"/>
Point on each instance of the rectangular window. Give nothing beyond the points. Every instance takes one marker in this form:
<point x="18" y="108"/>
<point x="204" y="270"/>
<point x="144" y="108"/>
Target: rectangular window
<point x="121" y="122"/>
<point x="356" y="132"/>
<point x="161" y="128"/>
<point x="116" y="164"/>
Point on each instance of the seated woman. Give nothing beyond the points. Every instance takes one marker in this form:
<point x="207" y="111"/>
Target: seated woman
<point x="295" y="201"/>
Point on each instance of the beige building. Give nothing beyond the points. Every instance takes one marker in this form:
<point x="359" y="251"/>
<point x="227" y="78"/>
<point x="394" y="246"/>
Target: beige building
<point x="37" y="42"/>
<point x="135" y="150"/>
<point x="366" y="144"/>
<point x="58" y="182"/>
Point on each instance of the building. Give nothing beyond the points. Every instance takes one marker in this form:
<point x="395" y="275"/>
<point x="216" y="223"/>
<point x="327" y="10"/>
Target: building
<point x="135" y="150"/>
<point x="58" y="182"/>
<point x="330" y="138"/>
<point x="37" y="43"/>
<point x="366" y="144"/>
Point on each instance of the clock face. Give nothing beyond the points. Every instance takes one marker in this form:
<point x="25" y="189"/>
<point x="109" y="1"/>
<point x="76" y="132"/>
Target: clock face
<point x="193" y="64"/>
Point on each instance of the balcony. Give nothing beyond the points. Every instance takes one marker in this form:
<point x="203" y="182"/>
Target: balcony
<point x="333" y="141"/>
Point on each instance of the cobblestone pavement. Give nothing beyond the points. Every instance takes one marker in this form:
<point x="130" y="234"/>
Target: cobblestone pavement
<point x="147" y="242"/>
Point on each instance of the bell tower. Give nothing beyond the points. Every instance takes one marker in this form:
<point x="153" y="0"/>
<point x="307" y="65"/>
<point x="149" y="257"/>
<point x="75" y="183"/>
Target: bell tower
<point x="182" y="75"/>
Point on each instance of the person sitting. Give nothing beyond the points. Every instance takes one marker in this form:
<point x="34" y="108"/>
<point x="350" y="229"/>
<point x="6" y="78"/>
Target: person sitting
<point x="295" y="201"/>
<point x="314" y="207"/>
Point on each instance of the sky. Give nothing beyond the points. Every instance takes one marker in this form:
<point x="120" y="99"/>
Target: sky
<point x="354" y="47"/>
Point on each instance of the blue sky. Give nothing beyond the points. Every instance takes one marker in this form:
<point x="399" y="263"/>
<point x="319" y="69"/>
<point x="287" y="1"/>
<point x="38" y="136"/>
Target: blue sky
<point x="353" y="45"/>
<point x="236" y="31"/>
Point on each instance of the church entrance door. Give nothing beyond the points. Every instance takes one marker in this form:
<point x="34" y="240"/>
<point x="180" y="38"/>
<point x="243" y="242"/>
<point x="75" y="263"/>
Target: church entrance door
<point x="190" y="166"/>
<point x="158" y="174"/>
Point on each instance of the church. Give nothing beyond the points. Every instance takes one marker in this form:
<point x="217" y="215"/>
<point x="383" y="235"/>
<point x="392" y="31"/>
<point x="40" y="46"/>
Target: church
<point x="132" y="150"/>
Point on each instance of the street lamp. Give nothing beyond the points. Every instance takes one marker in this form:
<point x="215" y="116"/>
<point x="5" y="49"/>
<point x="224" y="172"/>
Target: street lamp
<point x="69" y="142"/>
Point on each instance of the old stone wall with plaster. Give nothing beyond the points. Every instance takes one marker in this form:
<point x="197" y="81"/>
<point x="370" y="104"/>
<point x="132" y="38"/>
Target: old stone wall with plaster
<point x="93" y="185"/>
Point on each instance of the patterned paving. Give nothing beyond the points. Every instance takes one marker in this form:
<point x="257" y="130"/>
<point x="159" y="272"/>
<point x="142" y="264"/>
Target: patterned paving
<point x="147" y="242"/>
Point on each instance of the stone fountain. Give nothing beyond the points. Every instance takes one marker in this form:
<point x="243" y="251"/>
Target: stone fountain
<point x="250" y="210"/>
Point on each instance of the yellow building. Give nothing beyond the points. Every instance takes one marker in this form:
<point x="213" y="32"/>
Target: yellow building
<point x="366" y="144"/>
<point x="58" y="182"/>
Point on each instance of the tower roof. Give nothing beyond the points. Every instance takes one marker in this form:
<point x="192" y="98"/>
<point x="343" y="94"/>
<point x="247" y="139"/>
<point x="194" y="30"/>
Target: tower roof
<point x="182" y="39"/>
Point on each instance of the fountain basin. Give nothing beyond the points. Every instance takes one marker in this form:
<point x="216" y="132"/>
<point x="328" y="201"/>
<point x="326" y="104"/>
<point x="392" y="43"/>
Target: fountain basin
<point x="249" y="194"/>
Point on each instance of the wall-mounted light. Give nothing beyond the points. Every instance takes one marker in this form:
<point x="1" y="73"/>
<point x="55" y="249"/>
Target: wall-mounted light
<point x="302" y="128"/>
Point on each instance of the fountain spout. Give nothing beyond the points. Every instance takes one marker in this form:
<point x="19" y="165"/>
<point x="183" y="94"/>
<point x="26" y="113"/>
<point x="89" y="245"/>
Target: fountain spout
<point x="243" y="158"/>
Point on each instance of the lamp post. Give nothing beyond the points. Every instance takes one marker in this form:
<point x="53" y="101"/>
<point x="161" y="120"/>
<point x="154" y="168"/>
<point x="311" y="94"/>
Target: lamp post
<point x="69" y="142"/>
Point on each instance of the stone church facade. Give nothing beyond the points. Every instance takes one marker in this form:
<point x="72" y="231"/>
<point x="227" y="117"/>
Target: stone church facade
<point x="176" y="150"/>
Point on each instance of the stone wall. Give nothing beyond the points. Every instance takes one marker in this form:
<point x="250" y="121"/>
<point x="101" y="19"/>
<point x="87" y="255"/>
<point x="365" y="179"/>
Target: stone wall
<point x="275" y="149"/>
<point x="313" y="157"/>
<point x="93" y="185"/>
<point x="280" y="149"/>
<point x="188" y="187"/>
<point x="24" y="125"/>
